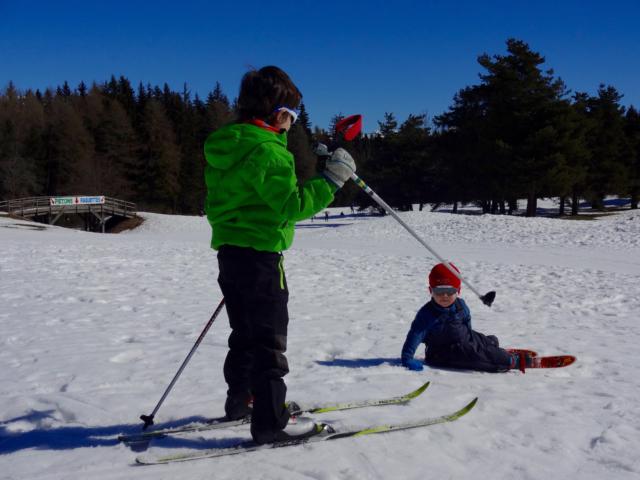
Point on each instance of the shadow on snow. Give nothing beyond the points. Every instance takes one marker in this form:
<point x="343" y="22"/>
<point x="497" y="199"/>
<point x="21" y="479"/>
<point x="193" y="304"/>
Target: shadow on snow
<point x="77" y="436"/>
<point x="359" y="362"/>
<point x="394" y="362"/>
<point x="321" y="225"/>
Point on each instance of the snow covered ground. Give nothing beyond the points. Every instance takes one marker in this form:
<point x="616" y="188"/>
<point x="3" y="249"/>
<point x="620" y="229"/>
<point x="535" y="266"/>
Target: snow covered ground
<point x="93" y="327"/>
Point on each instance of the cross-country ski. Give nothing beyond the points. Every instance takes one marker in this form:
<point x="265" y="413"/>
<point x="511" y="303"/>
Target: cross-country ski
<point x="323" y="432"/>
<point x="294" y="409"/>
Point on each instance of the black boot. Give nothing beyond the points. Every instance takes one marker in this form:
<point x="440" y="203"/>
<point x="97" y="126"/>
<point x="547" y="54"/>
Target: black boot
<point x="238" y="405"/>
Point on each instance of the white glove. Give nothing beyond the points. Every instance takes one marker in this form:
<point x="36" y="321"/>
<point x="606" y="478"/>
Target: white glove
<point x="339" y="167"/>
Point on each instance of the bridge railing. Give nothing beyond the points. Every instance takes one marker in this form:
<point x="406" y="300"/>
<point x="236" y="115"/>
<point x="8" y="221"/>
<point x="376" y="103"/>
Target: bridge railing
<point x="123" y="206"/>
<point x="35" y="206"/>
<point x="20" y="206"/>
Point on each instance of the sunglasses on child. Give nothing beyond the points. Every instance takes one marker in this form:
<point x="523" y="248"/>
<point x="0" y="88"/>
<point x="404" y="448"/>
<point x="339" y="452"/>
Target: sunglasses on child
<point x="444" y="291"/>
<point x="294" y="113"/>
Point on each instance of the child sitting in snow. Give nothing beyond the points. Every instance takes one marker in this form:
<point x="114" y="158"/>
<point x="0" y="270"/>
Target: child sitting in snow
<point x="444" y="325"/>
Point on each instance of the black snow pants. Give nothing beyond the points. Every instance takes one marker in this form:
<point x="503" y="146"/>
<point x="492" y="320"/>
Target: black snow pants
<point x="455" y="345"/>
<point x="256" y="295"/>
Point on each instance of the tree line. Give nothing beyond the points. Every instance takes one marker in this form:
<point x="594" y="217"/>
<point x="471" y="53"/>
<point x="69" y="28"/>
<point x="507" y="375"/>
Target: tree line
<point x="518" y="133"/>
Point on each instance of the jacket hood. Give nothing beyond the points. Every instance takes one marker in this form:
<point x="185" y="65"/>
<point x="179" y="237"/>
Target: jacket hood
<point x="228" y="145"/>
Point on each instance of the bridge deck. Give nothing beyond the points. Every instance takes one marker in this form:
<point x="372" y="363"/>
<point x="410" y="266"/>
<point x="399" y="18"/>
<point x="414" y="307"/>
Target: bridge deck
<point x="52" y="208"/>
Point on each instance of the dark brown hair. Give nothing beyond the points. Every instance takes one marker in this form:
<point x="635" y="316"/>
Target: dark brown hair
<point x="262" y="91"/>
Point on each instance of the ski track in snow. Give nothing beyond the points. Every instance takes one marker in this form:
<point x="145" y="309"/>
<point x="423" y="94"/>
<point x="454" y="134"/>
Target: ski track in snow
<point x="93" y="327"/>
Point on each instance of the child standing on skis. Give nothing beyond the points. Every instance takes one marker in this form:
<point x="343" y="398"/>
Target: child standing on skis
<point x="253" y="202"/>
<point x="444" y="325"/>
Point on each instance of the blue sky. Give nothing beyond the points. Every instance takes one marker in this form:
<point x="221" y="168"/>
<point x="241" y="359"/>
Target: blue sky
<point x="346" y="57"/>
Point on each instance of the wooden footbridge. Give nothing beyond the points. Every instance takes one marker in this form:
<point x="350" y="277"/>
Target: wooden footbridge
<point x="88" y="212"/>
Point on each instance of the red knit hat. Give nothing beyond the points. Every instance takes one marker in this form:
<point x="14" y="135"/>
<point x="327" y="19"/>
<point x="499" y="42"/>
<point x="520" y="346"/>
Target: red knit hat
<point x="440" y="276"/>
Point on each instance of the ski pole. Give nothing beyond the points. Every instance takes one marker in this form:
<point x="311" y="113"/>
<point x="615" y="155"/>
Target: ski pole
<point x="148" y="419"/>
<point x="487" y="298"/>
<point x="349" y="128"/>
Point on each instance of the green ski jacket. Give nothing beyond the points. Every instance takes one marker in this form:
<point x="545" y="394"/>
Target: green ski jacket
<point x="253" y="199"/>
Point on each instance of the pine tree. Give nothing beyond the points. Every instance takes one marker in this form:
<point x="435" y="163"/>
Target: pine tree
<point x="299" y="144"/>
<point x="82" y="89"/>
<point x="126" y="96"/>
<point x="332" y="128"/>
<point x="64" y="91"/>
<point x="607" y="141"/>
<point x="632" y="131"/>
<point x="414" y="172"/>
<point x="582" y="157"/>
<point x="141" y="105"/>
<point x="384" y="167"/>
<point x="524" y="109"/>
<point x="21" y="124"/>
<point x="569" y="170"/>
<point x="303" y="119"/>
<point x="218" y="110"/>
<point x="464" y="151"/>
<point x="158" y="182"/>
<point x="68" y="148"/>
<point x="513" y="128"/>
<point x="192" y="191"/>
<point x="114" y="161"/>
<point x="389" y="126"/>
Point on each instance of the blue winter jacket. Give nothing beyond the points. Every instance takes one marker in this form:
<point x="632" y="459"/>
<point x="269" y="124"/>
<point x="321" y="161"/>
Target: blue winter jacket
<point x="450" y="340"/>
<point x="430" y="319"/>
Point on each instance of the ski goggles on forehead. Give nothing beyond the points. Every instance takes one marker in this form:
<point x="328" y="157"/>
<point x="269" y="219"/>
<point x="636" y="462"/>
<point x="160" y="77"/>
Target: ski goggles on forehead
<point x="294" y="113"/>
<point x="444" y="290"/>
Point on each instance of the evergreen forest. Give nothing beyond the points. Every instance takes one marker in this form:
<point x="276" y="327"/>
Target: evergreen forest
<point x="519" y="133"/>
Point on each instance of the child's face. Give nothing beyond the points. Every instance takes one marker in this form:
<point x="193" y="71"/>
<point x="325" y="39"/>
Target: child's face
<point x="445" y="300"/>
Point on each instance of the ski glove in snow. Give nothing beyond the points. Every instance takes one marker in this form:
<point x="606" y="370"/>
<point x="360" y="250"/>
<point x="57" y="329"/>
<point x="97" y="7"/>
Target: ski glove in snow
<point x="339" y="167"/>
<point x="413" y="364"/>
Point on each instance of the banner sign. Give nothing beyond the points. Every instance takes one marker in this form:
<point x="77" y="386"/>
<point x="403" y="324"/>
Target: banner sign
<point x="57" y="201"/>
<point x="89" y="200"/>
<point x="54" y="201"/>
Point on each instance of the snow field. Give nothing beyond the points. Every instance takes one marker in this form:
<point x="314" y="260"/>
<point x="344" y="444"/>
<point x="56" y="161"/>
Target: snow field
<point x="93" y="327"/>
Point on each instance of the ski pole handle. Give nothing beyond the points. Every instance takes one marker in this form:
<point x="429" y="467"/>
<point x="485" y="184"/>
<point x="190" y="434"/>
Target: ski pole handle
<point x="487" y="299"/>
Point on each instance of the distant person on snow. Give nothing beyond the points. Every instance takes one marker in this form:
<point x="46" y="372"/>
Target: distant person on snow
<point x="253" y="202"/>
<point x="444" y="325"/>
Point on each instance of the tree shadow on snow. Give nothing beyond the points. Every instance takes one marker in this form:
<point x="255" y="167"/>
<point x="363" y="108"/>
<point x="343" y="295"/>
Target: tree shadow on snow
<point x="359" y="362"/>
<point x="67" y="438"/>
<point x="394" y="362"/>
<point x="321" y="225"/>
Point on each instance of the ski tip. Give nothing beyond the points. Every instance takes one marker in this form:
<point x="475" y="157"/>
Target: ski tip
<point x="466" y="409"/>
<point x="419" y="390"/>
<point x="460" y="413"/>
<point x="557" y="361"/>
